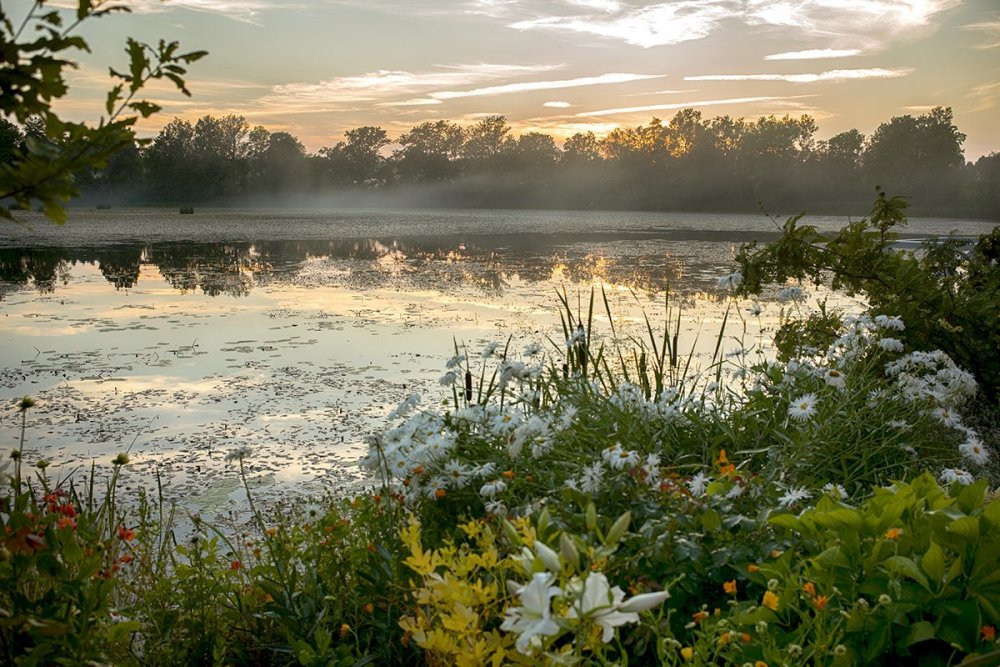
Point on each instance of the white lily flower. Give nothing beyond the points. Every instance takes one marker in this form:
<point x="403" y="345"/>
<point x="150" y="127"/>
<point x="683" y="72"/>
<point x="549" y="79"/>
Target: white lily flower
<point x="601" y="604"/>
<point x="533" y="618"/>
<point x="645" y="601"/>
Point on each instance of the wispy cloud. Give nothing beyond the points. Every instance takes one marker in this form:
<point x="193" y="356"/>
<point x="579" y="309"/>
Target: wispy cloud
<point x="990" y="30"/>
<point x="528" y="86"/>
<point x="656" y="25"/>
<point x="836" y="75"/>
<point x="674" y="107"/>
<point x="858" y="24"/>
<point x="248" y="11"/>
<point x="383" y="85"/>
<point x="557" y="105"/>
<point x="813" y="54"/>
<point x="986" y="95"/>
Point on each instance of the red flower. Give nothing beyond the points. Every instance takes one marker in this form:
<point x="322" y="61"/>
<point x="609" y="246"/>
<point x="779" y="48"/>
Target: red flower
<point x="235" y="565"/>
<point x="125" y="534"/>
<point x="989" y="633"/>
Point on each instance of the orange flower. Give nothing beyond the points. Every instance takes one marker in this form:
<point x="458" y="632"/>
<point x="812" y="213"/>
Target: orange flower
<point x="723" y="459"/>
<point x="126" y="558"/>
<point x="729" y="587"/>
<point x="776" y="553"/>
<point x="989" y="633"/>
<point x="509" y="474"/>
<point x="699" y="616"/>
<point x="745" y="637"/>
<point x="368" y="608"/>
<point x="440" y="493"/>
<point x="770" y="600"/>
<point x="809" y="588"/>
<point x="417" y="470"/>
<point x="760" y="663"/>
<point x="893" y="533"/>
<point x="724" y="639"/>
<point x="125" y="534"/>
<point x="67" y="522"/>
<point x="820" y="602"/>
<point x="344" y="629"/>
<point x="235" y="565"/>
<point x="753" y="569"/>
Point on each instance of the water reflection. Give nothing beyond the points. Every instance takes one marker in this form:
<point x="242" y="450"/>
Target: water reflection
<point x="485" y="263"/>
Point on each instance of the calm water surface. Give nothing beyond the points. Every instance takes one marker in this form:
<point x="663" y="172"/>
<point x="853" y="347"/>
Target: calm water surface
<point x="182" y="337"/>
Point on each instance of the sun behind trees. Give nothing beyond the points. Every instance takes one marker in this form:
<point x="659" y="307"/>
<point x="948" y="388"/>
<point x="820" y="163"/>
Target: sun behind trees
<point x="688" y="163"/>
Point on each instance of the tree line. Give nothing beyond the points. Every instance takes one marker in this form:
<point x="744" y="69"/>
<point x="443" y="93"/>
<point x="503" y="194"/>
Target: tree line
<point x="687" y="163"/>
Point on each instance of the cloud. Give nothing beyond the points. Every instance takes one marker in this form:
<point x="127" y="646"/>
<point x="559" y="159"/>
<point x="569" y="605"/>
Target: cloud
<point x="529" y="86"/>
<point x="247" y="11"/>
<point x="557" y="105"/>
<point x="813" y="54"/>
<point x="986" y="95"/>
<point x="383" y="85"/>
<point x="656" y="25"/>
<point x="845" y="24"/>
<point x="836" y="75"/>
<point x="990" y="30"/>
<point x="674" y="107"/>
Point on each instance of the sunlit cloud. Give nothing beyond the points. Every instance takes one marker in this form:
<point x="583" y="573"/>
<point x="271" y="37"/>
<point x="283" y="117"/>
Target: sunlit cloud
<point x="870" y="24"/>
<point x="382" y="84"/>
<point x="986" y="95"/>
<point x="831" y="76"/>
<point x="557" y="105"/>
<point x="248" y="11"/>
<point x="813" y="54"/>
<point x="675" y="107"/>
<point x="529" y="86"/>
<point x="990" y="30"/>
<point x="416" y="102"/>
<point x="656" y="25"/>
<point x="661" y="92"/>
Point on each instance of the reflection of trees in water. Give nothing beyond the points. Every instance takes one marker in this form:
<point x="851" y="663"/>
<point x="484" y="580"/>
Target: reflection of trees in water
<point x="485" y="263"/>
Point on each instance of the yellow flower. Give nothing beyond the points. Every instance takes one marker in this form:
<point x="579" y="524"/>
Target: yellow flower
<point x="760" y="663"/>
<point x="687" y="653"/>
<point x="729" y="587"/>
<point x="770" y="601"/>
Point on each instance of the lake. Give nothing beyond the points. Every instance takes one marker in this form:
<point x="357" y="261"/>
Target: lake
<point x="181" y="337"/>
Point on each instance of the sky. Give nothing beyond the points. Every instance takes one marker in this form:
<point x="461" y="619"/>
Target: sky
<point x="317" y="68"/>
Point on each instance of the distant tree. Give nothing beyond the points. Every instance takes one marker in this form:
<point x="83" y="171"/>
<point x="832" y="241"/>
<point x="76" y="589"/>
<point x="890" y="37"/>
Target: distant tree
<point x="33" y="58"/>
<point x="581" y="147"/>
<point x="359" y="160"/>
<point x="919" y="155"/>
<point x="428" y="152"/>
<point x="11" y="139"/>
<point x="488" y="140"/>
<point x="985" y="186"/>
<point x="284" y="163"/>
<point x="169" y="159"/>
<point x="843" y="150"/>
<point x="536" y="151"/>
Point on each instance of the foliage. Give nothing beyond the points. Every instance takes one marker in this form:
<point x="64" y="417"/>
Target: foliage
<point x="33" y="62"/>
<point x="946" y="293"/>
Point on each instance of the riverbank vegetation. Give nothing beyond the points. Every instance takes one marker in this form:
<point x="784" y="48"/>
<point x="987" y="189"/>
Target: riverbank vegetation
<point x="685" y="163"/>
<point x="603" y="499"/>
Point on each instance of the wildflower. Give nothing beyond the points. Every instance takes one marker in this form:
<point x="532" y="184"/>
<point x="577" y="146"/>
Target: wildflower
<point x="794" y="495"/>
<point x="884" y="600"/>
<point x="440" y="493"/>
<point x="455" y="362"/>
<point x="893" y="533"/>
<point x="238" y="454"/>
<point x="794" y="650"/>
<point x="687" y="653"/>
<point x="125" y="534"/>
<point x="448" y="379"/>
<point x="644" y="601"/>
<point x="600" y="603"/>
<point x="492" y="489"/>
<point x="770" y="600"/>
<point x="974" y="450"/>
<point x="951" y="475"/>
<point x="759" y="663"/>
<point x="699" y="616"/>
<point x="729" y="587"/>
<point x="235" y="565"/>
<point x="988" y="632"/>
<point x="490" y="348"/>
<point x="755" y="309"/>
<point x="591" y="477"/>
<point x="533" y="618"/>
<point x="579" y="336"/>
<point x="66" y="522"/>
<point x="753" y="568"/>
<point x="840" y="649"/>
<point x="344" y="629"/>
<point x="835" y="378"/>
<point x="120" y="460"/>
<point x="532" y="350"/>
<point x="803" y="408"/>
<point x="820" y="602"/>
<point x="495" y="507"/>
<point x="734" y="279"/>
<point x="790" y="294"/>
<point x="772" y="584"/>
<point x="810" y="588"/>
<point x="887" y="322"/>
<point x="761" y="627"/>
<point x="698" y="484"/>
<point x="890" y="344"/>
<point x="26" y="403"/>
<point x="41" y="464"/>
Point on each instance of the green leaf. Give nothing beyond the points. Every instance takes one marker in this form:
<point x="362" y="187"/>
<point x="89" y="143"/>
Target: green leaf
<point x="932" y="563"/>
<point x="789" y="521"/>
<point x="906" y="567"/>
<point x="967" y="527"/>
<point x="919" y="632"/>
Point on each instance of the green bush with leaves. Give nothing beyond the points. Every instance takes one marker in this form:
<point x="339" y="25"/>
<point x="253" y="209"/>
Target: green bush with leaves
<point x="946" y="293"/>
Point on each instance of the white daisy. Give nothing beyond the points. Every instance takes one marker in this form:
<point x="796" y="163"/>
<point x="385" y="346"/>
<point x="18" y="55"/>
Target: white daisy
<point x="803" y="408"/>
<point x="974" y="450"/>
<point x="698" y="484"/>
<point x="492" y="489"/>
<point x="835" y="378"/>
<point x="793" y="496"/>
<point x="890" y="344"/>
<point x="950" y="475"/>
<point x="790" y="294"/>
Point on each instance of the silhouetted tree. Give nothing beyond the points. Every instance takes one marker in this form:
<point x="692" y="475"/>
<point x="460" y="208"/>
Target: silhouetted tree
<point x="429" y="152"/>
